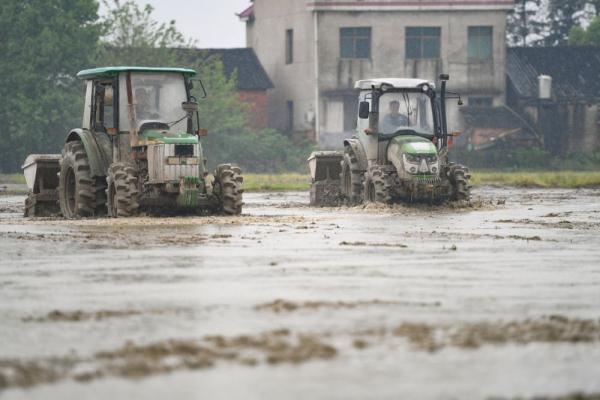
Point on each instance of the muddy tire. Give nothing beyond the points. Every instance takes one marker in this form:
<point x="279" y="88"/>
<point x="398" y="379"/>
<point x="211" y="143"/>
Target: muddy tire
<point x="377" y="188"/>
<point x="459" y="178"/>
<point x="351" y="177"/>
<point x="228" y="188"/>
<point x="76" y="189"/>
<point x="122" y="192"/>
<point x="100" y="187"/>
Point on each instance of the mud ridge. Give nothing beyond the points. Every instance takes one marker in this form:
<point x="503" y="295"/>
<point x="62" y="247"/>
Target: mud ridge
<point x="551" y="329"/>
<point x="280" y="305"/>
<point x="136" y="361"/>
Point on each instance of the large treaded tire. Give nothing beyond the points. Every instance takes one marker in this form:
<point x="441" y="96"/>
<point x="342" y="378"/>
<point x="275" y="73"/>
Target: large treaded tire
<point x="459" y="178"/>
<point x="228" y="188"/>
<point x="76" y="189"/>
<point x="377" y="188"/>
<point x="122" y="190"/>
<point x="351" y="177"/>
<point x="100" y="187"/>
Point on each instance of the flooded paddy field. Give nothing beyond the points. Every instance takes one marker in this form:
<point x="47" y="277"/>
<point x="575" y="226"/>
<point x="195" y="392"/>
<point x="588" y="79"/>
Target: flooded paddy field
<point x="497" y="299"/>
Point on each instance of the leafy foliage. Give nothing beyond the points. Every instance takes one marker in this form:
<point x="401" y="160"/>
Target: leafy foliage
<point x="525" y="25"/>
<point x="586" y="37"/>
<point x="133" y="37"/>
<point x="549" y="22"/>
<point x="43" y="45"/>
<point x="506" y="159"/>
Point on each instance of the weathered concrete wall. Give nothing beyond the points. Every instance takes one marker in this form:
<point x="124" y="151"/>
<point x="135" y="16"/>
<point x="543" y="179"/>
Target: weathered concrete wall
<point x="293" y="82"/>
<point x="566" y="127"/>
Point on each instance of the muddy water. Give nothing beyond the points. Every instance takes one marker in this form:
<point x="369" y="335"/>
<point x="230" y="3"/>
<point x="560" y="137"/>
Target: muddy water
<point x="498" y="299"/>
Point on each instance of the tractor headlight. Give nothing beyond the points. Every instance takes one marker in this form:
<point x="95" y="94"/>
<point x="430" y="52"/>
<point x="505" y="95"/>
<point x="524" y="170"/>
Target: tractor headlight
<point x="412" y="159"/>
<point x="431" y="159"/>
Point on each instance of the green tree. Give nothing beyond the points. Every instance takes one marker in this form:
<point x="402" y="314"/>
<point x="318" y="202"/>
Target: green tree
<point x="133" y="37"/>
<point x="525" y="24"/>
<point x="586" y="37"/>
<point x="43" y="44"/>
<point x="564" y="15"/>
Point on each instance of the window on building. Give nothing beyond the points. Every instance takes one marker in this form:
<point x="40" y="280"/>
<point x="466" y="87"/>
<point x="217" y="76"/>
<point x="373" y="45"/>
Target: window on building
<point x="423" y="42"/>
<point x="290" y="116"/>
<point x="289" y="46"/>
<point x="480" y="42"/>
<point x="481" y="101"/>
<point x="355" y="42"/>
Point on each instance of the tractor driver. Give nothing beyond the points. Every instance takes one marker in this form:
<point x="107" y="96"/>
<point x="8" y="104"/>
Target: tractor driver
<point x="393" y="120"/>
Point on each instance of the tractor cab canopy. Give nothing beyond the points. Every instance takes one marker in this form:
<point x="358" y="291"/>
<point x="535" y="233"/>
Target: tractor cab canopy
<point x="393" y="83"/>
<point x="130" y="98"/>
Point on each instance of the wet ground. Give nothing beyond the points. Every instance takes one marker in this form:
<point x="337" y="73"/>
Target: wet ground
<point x="499" y="299"/>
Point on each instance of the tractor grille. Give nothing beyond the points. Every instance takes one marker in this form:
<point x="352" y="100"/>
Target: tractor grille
<point x="432" y="180"/>
<point x="184" y="150"/>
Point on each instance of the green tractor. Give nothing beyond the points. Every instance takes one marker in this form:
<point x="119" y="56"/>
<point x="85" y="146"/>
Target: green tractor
<point x="138" y="149"/>
<point x="400" y="152"/>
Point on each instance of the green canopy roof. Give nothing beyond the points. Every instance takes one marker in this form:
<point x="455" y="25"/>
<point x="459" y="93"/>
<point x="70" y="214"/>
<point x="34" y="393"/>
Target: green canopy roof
<point x="112" y="71"/>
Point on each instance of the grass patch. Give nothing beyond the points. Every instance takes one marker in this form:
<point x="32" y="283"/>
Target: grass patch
<point x="541" y="179"/>
<point x="277" y="182"/>
<point x="12" y="178"/>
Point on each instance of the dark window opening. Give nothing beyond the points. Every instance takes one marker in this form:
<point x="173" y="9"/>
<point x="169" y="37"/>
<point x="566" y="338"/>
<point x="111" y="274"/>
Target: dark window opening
<point x="423" y="42"/>
<point x="481" y="101"/>
<point x="480" y="42"/>
<point x="290" y="116"/>
<point x="289" y="46"/>
<point x="184" y="150"/>
<point x="103" y="114"/>
<point x="355" y="42"/>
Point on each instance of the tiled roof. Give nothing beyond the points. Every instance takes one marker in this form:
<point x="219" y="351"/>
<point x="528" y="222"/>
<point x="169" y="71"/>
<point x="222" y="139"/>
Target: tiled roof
<point x="250" y="73"/>
<point x="247" y="13"/>
<point x="574" y="71"/>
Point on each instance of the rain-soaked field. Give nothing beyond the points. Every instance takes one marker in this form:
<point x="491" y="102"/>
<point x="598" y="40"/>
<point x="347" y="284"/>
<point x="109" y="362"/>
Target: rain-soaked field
<point x="497" y="300"/>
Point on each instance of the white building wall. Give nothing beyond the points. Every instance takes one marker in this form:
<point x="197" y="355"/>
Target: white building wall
<point x="293" y="82"/>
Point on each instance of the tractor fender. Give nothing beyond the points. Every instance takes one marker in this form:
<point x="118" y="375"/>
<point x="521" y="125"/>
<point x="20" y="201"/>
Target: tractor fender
<point x="97" y="147"/>
<point x="358" y="151"/>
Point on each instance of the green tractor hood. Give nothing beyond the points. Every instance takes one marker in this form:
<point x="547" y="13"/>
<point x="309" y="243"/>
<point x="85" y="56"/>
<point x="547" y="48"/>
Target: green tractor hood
<point x="155" y="136"/>
<point x="413" y="145"/>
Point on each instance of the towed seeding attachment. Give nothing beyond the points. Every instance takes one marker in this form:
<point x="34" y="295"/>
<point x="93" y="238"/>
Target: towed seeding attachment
<point x="41" y="174"/>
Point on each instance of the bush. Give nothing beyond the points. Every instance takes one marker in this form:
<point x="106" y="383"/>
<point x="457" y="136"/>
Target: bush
<point x="266" y="151"/>
<point x="524" y="159"/>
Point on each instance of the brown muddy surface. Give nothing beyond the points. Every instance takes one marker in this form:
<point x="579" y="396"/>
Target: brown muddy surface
<point x="498" y="299"/>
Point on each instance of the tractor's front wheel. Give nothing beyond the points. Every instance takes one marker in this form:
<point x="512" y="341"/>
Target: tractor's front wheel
<point x="377" y="188"/>
<point x="76" y="189"/>
<point x="459" y="178"/>
<point x="228" y="188"/>
<point x="122" y="190"/>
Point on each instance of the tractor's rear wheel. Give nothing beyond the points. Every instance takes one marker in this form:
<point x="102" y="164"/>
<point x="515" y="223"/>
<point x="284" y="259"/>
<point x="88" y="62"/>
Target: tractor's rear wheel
<point x="122" y="190"/>
<point x="459" y="178"/>
<point x="228" y="188"/>
<point x="377" y="188"/>
<point x="76" y="189"/>
<point x="351" y="177"/>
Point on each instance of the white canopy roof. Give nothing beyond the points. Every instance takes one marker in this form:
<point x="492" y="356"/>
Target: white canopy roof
<point x="397" y="83"/>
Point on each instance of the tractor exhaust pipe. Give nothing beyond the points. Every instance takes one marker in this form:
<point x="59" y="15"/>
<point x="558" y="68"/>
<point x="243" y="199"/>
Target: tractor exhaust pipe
<point x="444" y="78"/>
